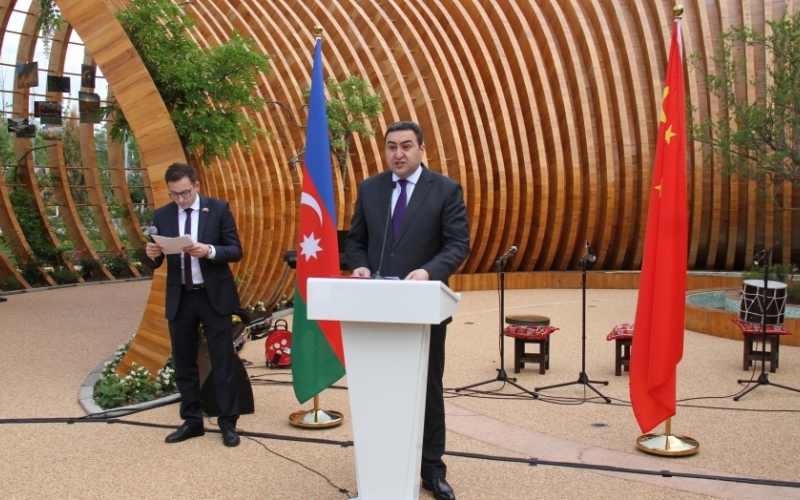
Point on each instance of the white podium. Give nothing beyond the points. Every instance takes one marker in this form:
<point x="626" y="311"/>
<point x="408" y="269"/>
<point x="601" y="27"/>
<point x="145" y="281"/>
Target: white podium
<point x="386" y="334"/>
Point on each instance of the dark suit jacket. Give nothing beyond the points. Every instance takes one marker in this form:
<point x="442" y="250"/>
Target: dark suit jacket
<point x="216" y="227"/>
<point x="434" y="233"/>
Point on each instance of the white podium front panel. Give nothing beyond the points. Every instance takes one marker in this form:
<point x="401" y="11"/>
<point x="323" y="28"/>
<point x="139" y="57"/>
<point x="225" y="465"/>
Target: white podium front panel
<point x="380" y="301"/>
<point x="386" y="337"/>
<point x="387" y="372"/>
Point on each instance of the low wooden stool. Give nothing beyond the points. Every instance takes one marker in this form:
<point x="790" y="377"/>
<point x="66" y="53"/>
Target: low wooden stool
<point x="530" y="329"/>
<point x="622" y="335"/>
<point x="753" y="334"/>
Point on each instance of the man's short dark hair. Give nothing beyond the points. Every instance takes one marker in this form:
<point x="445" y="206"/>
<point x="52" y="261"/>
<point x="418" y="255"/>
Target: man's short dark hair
<point x="178" y="171"/>
<point x="405" y="125"/>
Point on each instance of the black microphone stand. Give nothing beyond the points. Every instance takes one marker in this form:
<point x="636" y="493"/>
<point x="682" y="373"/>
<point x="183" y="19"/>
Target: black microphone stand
<point x="502" y="376"/>
<point x="763" y="379"/>
<point x="582" y="377"/>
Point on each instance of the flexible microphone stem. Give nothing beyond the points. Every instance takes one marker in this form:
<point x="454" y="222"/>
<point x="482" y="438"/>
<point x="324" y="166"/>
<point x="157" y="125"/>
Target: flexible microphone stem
<point x="377" y="275"/>
<point x="503" y="258"/>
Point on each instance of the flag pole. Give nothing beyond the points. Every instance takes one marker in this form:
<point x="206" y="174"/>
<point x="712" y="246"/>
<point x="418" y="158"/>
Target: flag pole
<point x="653" y="383"/>
<point x="316" y="418"/>
<point x="666" y="444"/>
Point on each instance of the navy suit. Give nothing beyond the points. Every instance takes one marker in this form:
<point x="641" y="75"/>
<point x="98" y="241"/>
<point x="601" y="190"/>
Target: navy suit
<point x="434" y="236"/>
<point x="211" y="305"/>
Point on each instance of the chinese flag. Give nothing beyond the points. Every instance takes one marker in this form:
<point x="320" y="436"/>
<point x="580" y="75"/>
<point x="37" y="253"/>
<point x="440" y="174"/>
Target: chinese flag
<point x="317" y="352"/>
<point x="658" y="339"/>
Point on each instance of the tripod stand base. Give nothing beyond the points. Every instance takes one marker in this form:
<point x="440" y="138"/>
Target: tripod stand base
<point x="502" y="376"/>
<point x="763" y="379"/>
<point x="667" y="445"/>
<point x="583" y="379"/>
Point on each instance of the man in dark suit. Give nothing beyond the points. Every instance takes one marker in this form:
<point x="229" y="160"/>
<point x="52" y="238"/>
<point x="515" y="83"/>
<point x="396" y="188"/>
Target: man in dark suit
<point x="200" y="288"/>
<point x="427" y="238"/>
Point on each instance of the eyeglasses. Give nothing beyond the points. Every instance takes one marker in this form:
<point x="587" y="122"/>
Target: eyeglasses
<point x="184" y="195"/>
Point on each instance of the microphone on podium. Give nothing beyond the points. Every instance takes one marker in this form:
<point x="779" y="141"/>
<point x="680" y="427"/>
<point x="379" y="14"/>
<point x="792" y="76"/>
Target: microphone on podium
<point x="377" y="275"/>
<point x="503" y="258"/>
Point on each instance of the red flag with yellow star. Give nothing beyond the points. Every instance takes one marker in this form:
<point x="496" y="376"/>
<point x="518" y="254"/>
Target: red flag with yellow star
<point x="658" y="330"/>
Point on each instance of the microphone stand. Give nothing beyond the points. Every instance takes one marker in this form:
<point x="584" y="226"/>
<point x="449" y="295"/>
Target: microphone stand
<point x="583" y="379"/>
<point x="502" y="376"/>
<point x="763" y="379"/>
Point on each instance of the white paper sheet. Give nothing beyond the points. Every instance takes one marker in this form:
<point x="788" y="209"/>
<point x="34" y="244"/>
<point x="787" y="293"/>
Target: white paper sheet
<point x="172" y="245"/>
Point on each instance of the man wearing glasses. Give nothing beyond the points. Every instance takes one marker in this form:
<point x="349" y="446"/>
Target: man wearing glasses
<point x="200" y="288"/>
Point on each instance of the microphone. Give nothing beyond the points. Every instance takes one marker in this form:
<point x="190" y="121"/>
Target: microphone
<point x="590" y="256"/>
<point x="377" y="275"/>
<point x="760" y="256"/>
<point x="503" y="258"/>
<point x="150" y="231"/>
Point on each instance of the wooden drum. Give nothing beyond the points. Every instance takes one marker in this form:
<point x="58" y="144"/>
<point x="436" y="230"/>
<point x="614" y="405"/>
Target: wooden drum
<point x="528" y="320"/>
<point x="750" y="308"/>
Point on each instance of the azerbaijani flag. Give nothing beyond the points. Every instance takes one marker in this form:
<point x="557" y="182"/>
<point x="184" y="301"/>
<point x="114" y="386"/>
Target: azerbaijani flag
<point x="658" y="339"/>
<point x="317" y="353"/>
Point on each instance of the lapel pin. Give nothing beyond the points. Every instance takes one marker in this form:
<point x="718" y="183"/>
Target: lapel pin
<point x="204" y="209"/>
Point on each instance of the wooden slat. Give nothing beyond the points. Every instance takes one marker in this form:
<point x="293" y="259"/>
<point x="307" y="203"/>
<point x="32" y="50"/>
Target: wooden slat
<point x="545" y="112"/>
<point x="108" y="44"/>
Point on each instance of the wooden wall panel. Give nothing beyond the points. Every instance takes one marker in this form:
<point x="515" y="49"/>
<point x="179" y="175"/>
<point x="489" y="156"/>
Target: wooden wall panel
<point x="544" y="111"/>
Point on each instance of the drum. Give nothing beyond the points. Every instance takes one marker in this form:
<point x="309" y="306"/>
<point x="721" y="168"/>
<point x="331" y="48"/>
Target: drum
<point x="750" y="308"/>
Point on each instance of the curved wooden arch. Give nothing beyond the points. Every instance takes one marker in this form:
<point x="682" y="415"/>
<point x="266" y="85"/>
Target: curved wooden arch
<point x="545" y="112"/>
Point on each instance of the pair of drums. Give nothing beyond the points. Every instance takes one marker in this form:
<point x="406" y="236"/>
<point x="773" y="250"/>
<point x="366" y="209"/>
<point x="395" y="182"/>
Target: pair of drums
<point x="751" y="309"/>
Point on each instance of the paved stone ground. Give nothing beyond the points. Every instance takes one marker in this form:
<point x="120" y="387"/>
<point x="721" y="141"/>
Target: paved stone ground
<point x="51" y="340"/>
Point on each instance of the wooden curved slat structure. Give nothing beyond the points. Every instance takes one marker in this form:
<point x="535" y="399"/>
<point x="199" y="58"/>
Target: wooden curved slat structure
<point x="544" y="111"/>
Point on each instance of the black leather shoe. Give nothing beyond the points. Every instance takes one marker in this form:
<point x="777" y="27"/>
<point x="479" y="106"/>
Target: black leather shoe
<point x="185" y="432"/>
<point x="230" y="438"/>
<point x="441" y="490"/>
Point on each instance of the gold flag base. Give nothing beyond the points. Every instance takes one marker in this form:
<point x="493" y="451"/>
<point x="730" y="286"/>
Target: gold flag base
<point x="667" y="444"/>
<point x="316" y="418"/>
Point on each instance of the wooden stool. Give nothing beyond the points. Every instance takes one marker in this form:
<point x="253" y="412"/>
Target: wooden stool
<point x="752" y="336"/>
<point x="530" y="329"/>
<point x="752" y="354"/>
<point x="622" y="335"/>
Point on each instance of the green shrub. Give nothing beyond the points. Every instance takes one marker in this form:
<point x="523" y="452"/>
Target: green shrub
<point x="137" y="256"/>
<point x="64" y="276"/>
<point x="83" y="259"/>
<point x="778" y="272"/>
<point x="793" y="293"/>
<point x="117" y="264"/>
<point x="32" y="272"/>
<point x="136" y="386"/>
<point x="10" y="283"/>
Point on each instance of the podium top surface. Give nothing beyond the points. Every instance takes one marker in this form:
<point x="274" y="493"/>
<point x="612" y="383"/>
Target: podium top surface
<point x="380" y="301"/>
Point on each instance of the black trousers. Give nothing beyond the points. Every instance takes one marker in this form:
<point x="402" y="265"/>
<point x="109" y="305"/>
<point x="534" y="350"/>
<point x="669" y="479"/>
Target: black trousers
<point x="433" y="436"/>
<point x="195" y="307"/>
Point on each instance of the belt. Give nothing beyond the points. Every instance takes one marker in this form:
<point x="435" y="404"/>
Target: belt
<point x="198" y="286"/>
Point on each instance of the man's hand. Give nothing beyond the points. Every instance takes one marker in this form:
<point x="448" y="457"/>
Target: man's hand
<point x="198" y="250"/>
<point x="361" y="272"/>
<point x="153" y="250"/>
<point x="418" y="275"/>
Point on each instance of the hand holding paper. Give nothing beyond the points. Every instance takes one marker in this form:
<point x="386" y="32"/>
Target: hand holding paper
<point x="172" y="245"/>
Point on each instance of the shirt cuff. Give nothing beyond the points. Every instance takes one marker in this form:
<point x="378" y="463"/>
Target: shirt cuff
<point x="212" y="252"/>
